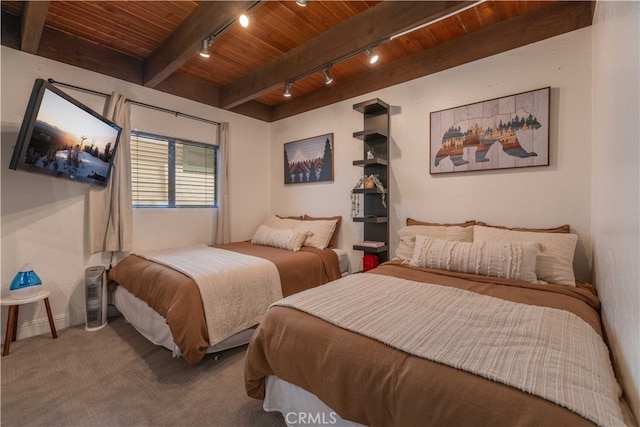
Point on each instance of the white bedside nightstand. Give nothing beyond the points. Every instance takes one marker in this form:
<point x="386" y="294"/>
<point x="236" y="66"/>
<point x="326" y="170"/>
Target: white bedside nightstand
<point x="12" y="320"/>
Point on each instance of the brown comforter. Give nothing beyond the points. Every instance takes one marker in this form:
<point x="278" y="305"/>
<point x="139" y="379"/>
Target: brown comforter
<point x="176" y="297"/>
<point x="371" y="383"/>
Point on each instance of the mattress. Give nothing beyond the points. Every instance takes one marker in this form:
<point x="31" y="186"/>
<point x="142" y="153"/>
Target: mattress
<point x="154" y="327"/>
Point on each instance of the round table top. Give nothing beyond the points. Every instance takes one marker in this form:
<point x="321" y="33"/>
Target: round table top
<point x="10" y="300"/>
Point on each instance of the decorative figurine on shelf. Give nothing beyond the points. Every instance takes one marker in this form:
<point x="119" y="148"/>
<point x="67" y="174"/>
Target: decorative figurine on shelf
<point x="26" y="284"/>
<point x="369" y="155"/>
<point x="366" y="181"/>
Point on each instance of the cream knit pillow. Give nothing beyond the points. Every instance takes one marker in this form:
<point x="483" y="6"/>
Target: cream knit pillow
<point x="507" y="260"/>
<point x="554" y="261"/>
<point x="321" y="232"/>
<point x="408" y="234"/>
<point x="275" y="221"/>
<point x="291" y="240"/>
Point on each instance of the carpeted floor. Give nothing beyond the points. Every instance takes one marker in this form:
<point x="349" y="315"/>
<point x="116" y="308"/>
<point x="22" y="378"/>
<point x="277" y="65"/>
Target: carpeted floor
<point x="115" y="377"/>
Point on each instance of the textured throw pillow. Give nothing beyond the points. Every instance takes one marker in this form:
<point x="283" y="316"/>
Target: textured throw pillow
<point x="507" y="260"/>
<point x="291" y="240"/>
<point x="554" y="262"/>
<point x="334" y="237"/>
<point x="408" y="234"/>
<point x="274" y="221"/>
<point x="322" y="231"/>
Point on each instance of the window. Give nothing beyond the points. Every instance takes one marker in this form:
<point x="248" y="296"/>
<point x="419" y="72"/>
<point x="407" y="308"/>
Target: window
<point x="173" y="173"/>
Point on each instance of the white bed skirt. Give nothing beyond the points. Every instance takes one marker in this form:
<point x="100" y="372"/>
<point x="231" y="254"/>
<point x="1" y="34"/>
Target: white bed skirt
<point x="343" y="261"/>
<point x="154" y="327"/>
<point x="300" y="407"/>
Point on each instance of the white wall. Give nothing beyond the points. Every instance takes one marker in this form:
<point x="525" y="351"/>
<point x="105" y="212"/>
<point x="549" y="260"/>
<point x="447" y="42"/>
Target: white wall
<point x="532" y="197"/>
<point x="44" y="219"/>
<point x="616" y="183"/>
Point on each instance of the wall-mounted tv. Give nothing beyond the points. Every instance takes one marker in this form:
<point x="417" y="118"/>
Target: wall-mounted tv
<point x="63" y="138"/>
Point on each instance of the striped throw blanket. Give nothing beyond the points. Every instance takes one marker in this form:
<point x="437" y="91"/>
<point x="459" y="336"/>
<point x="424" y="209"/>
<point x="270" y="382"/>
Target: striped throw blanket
<point x="546" y="352"/>
<point x="236" y="289"/>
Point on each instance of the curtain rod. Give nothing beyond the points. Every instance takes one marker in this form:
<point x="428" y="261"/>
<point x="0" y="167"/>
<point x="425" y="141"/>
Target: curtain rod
<point x="131" y="101"/>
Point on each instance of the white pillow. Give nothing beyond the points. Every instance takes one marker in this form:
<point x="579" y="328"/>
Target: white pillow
<point x="275" y="221"/>
<point x="507" y="260"/>
<point x="291" y="240"/>
<point x="408" y="234"/>
<point x="321" y="231"/>
<point x="554" y="262"/>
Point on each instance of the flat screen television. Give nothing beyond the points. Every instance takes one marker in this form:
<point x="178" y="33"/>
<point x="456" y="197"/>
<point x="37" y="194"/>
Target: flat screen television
<point x="63" y="138"/>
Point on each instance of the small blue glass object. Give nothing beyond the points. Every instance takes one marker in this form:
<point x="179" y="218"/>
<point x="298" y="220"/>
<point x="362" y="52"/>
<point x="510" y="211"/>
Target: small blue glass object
<point x="23" y="285"/>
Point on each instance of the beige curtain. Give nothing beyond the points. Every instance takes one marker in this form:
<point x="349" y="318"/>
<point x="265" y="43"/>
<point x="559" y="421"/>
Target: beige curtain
<point x="110" y="211"/>
<point x="223" y="231"/>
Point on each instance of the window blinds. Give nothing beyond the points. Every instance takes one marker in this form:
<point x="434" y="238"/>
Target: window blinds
<point x="167" y="172"/>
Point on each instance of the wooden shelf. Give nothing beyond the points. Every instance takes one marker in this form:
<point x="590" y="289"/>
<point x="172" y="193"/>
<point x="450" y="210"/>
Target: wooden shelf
<point x="376" y="161"/>
<point x="372" y="106"/>
<point x="366" y="191"/>
<point x="371" y="220"/>
<point x="371" y="134"/>
<point x="370" y="249"/>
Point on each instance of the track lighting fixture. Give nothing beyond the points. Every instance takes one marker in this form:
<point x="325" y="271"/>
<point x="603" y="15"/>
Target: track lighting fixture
<point x="440" y="18"/>
<point x="204" y="51"/>
<point x="287" y="89"/>
<point x="244" y="20"/>
<point x="373" y="57"/>
<point x="302" y="3"/>
<point x="327" y="77"/>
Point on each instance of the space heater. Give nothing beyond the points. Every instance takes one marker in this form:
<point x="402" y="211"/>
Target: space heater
<point x="95" y="298"/>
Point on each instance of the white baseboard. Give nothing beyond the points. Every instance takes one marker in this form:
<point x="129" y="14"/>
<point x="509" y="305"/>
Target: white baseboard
<point x="41" y="326"/>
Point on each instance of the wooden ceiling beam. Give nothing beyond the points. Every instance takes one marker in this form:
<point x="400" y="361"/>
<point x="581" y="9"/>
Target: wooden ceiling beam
<point x="10" y="30"/>
<point x="34" y="16"/>
<point x="371" y="27"/>
<point x="254" y="109"/>
<point x="540" y="24"/>
<point x="81" y="53"/>
<point x="188" y="87"/>
<point x="186" y="40"/>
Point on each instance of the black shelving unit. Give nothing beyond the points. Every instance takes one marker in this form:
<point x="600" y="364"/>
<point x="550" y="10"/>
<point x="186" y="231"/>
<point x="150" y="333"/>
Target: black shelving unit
<point x="375" y="161"/>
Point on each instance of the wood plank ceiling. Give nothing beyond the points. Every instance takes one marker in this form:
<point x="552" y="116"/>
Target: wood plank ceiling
<point x="156" y="43"/>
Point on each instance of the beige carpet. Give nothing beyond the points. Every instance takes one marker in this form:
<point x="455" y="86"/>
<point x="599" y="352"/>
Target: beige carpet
<point x="115" y="377"/>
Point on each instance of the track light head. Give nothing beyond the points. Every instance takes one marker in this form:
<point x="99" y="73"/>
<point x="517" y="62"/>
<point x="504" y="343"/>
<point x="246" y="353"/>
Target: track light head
<point x="287" y="89"/>
<point x="373" y="57"/>
<point x="244" y="20"/>
<point x="204" y="51"/>
<point x="327" y="77"/>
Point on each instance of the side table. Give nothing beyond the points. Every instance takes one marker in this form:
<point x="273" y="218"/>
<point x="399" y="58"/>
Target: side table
<point x="12" y="319"/>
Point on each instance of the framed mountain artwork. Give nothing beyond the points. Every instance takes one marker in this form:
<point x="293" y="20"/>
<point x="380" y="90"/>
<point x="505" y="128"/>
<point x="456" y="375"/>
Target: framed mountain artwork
<point x="309" y="160"/>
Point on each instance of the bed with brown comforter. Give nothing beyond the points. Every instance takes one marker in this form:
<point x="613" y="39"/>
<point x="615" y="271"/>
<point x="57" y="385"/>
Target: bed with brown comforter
<point x="384" y="381"/>
<point x="176" y="297"/>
